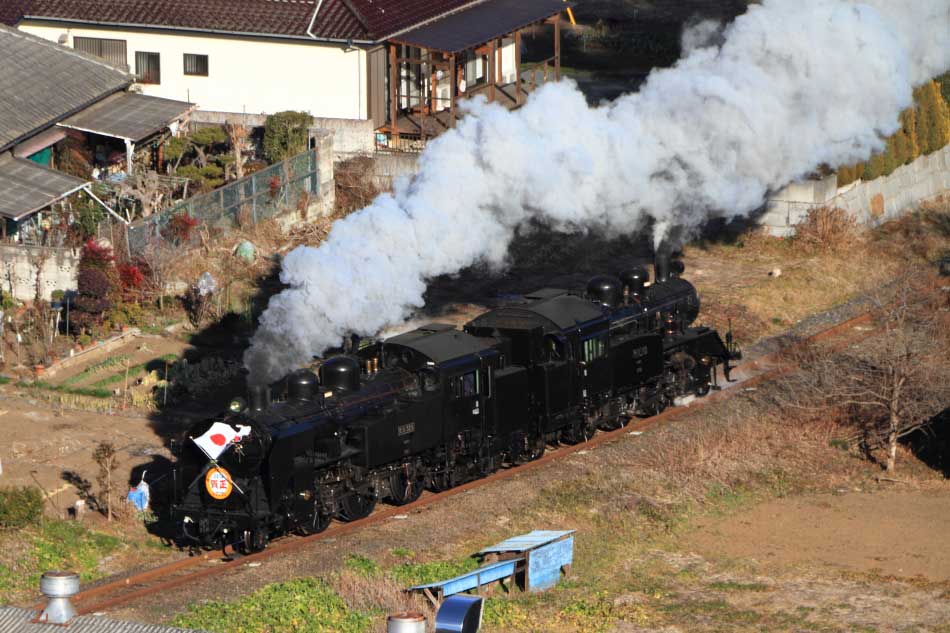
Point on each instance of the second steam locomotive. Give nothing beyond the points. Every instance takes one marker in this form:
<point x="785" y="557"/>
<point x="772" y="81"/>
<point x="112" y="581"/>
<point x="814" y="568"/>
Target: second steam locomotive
<point x="438" y="406"/>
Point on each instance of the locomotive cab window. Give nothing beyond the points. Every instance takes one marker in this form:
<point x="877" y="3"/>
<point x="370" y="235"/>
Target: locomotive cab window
<point x="466" y="385"/>
<point x="594" y="348"/>
<point x="554" y="348"/>
<point x="428" y="381"/>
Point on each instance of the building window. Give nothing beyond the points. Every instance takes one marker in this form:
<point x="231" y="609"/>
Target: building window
<point x="196" y="65"/>
<point x="113" y="51"/>
<point x="148" y="67"/>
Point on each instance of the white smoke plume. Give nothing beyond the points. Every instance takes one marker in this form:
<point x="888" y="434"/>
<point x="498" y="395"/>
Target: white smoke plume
<point x="787" y="86"/>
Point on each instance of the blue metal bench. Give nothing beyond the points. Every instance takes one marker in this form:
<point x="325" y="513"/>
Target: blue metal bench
<point x="476" y="579"/>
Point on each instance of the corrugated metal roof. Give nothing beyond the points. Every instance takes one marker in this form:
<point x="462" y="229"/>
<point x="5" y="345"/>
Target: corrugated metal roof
<point x="128" y="116"/>
<point x="13" y="620"/>
<point x="26" y="187"/>
<point x="41" y="82"/>
<point x="527" y="541"/>
<point x="477" y="25"/>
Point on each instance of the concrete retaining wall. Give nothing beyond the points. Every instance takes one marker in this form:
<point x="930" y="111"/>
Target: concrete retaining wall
<point x="18" y="269"/>
<point x="390" y="166"/>
<point x="870" y="202"/>
<point x="350" y="137"/>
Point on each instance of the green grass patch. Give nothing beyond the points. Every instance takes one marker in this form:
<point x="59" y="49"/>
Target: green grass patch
<point x="54" y="544"/>
<point x="5" y="380"/>
<point x="88" y="372"/>
<point x="134" y="370"/>
<point x="305" y="604"/>
<point x="402" y="552"/>
<point x="408" y="574"/>
<point x="76" y="391"/>
<point x="362" y="565"/>
<point x="20" y="506"/>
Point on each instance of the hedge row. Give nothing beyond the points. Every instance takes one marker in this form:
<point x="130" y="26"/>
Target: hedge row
<point x="925" y="128"/>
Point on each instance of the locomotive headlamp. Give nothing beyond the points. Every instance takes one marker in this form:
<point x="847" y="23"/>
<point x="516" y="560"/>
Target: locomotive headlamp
<point x="705" y="360"/>
<point x="237" y="405"/>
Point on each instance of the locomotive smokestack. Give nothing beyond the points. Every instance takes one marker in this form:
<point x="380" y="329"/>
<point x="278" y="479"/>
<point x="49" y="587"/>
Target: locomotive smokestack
<point x="661" y="262"/>
<point x="258" y="397"/>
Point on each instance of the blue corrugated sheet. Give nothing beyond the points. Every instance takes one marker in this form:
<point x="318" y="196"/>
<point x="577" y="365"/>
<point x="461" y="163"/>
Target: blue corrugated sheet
<point x="473" y="579"/>
<point x="527" y="541"/>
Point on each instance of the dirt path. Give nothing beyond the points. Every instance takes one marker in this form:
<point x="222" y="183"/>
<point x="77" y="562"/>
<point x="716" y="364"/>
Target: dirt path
<point x="43" y="442"/>
<point x="894" y="533"/>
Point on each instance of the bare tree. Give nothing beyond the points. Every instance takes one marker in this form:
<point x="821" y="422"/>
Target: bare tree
<point x="159" y="258"/>
<point x="240" y="145"/>
<point x="148" y="189"/>
<point x="891" y="384"/>
<point x="107" y="459"/>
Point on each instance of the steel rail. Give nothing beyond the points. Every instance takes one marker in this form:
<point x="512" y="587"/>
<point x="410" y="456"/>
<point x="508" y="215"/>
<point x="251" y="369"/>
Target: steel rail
<point x="149" y="582"/>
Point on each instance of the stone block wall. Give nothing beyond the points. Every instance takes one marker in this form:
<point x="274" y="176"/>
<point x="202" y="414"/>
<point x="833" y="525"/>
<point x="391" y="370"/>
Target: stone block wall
<point x="59" y="267"/>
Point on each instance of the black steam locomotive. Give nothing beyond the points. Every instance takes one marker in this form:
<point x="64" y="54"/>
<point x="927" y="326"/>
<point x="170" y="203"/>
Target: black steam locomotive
<point x="438" y="406"/>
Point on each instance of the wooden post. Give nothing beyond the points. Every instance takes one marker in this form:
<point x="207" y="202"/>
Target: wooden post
<point x="493" y="49"/>
<point x="519" y="98"/>
<point x="393" y="94"/>
<point x="500" y="75"/>
<point x="557" y="47"/>
<point x="454" y="92"/>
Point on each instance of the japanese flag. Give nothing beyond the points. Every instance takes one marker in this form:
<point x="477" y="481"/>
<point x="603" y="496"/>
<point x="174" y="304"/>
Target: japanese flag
<point x="219" y="437"/>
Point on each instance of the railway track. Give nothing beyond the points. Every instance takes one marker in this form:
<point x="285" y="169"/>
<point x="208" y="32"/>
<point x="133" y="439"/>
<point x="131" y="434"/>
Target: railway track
<point x="141" y="585"/>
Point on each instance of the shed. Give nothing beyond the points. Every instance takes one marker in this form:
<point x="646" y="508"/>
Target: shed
<point x="26" y="187"/>
<point x="131" y="118"/>
<point x="547" y="555"/>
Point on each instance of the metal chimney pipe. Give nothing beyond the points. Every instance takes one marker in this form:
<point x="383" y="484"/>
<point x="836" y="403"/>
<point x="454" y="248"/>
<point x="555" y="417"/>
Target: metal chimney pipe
<point x="59" y="587"/>
<point x="661" y="262"/>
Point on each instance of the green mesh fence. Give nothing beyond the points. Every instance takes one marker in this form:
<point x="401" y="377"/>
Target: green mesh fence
<point x="264" y="194"/>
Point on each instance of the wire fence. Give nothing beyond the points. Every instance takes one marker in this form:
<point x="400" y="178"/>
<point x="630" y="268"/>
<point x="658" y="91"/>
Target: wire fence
<point x="264" y="194"/>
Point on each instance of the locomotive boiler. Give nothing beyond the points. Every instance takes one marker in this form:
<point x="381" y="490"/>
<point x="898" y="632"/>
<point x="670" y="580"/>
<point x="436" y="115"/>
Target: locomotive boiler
<point x="439" y="406"/>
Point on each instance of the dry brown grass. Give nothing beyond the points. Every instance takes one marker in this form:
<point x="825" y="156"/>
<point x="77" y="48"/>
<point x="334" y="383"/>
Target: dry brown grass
<point x="365" y="593"/>
<point x="829" y="229"/>
<point x="354" y="184"/>
<point x="830" y="261"/>
<point x="746" y="447"/>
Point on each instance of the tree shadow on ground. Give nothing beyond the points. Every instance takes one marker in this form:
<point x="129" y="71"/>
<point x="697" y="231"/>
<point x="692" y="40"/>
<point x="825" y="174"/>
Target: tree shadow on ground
<point x="931" y="443"/>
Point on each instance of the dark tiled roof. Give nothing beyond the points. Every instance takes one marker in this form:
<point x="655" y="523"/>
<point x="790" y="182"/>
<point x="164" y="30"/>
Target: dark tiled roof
<point x="12" y="10"/>
<point x="479" y="24"/>
<point x="42" y="82"/>
<point x="359" y="20"/>
<point x="385" y="17"/>
<point x="269" y="17"/>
